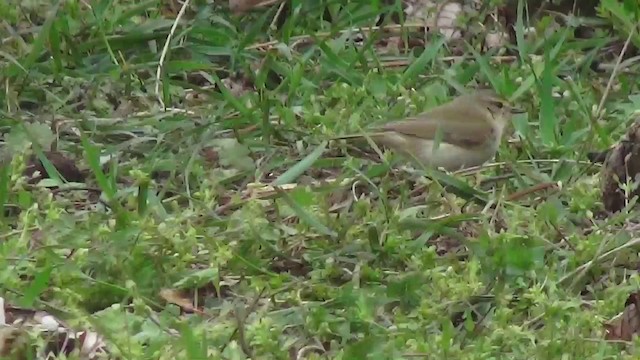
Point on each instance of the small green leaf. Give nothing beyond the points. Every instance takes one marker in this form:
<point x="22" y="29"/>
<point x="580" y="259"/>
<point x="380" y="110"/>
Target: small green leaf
<point x="363" y="349"/>
<point x="377" y="85"/>
<point x="195" y="346"/>
<point x="521" y="124"/>
<point x="234" y="154"/>
<point x="92" y="155"/>
<point x="304" y="196"/>
<point x="40" y="133"/>
<point x="406" y="288"/>
<point x="25" y="199"/>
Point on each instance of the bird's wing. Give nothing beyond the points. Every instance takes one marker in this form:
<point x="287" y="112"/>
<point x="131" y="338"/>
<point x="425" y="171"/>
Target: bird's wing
<point x="462" y="133"/>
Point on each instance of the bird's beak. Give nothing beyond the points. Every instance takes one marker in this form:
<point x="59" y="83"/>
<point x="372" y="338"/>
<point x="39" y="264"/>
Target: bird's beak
<point x="517" y="110"/>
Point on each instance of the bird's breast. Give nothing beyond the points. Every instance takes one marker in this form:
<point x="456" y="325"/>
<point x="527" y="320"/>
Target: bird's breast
<point x="453" y="157"/>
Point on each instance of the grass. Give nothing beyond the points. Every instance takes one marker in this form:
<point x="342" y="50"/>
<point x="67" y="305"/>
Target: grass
<point x="208" y="172"/>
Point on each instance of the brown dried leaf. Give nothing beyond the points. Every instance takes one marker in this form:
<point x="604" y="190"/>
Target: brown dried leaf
<point x="175" y="297"/>
<point x="622" y="165"/>
<point x="625" y="325"/>
<point x="295" y="267"/>
<point x="238" y="85"/>
<point x="35" y="171"/>
<point x="210" y="155"/>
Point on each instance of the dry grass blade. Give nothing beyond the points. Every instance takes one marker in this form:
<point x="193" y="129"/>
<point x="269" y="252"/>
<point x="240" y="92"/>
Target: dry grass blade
<point x="241" y="6"/>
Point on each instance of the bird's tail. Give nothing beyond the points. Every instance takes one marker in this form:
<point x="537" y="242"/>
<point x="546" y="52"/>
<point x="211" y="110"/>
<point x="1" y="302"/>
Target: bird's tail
<point x="363" y="136"/>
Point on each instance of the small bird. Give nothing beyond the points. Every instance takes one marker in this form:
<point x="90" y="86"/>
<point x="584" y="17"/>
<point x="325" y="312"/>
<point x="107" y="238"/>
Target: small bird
<point x="462" y="133"/>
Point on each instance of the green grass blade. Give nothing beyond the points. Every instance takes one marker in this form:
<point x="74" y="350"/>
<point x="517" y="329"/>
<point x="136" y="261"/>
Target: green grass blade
<point x="51" y="170"/>
<point x="339" y="66"/>
<point x="486" y="69"/>
<point x="519" y="28"/>
<point x="298" y="169"/>
<point x="304" y="215"/>
<point x="4" y="189"/>
<point x="419" y="65"/>
<point x="36" y="287"/>
<point x="143" y="196"/>
<point x="92" y="155"/>
<point x="547" y="116"/>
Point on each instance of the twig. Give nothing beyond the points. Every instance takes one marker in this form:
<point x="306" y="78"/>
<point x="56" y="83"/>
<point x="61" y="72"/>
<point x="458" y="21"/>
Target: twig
<point x="613" y="75"/>
<point x="241" y="336"/>
<point x="277" y="15"/>
<point x="305" y="349"/>
<point x="564" y="238"/>
<point x="268" y="3"/>
<point x="240" y="327"/>
<point x="75" y="188"/>
<point x="165" y="50"/>
<point x="622" y="66"/>
<point x="17" y="232"/>
<point x="499" y="59"/>
<point x="586" y="266"/>
<point x="479" y="168"/>
<point x="522" y="193"/>
<point x="305" y="38"/>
